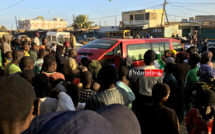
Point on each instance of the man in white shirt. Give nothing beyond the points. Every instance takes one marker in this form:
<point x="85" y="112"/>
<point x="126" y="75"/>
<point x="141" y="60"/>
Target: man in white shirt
<point x="146" y="83"/>
<point x="36" y="39"/>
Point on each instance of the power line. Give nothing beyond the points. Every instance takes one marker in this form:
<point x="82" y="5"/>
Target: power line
<point x="12" y="5"/>
<point x="175" y="15"/>
<point x="193" y="3"/>
<point x="105" y="17"/>
<point x="191" y="9"/>
<point x="120" y="15"/>
<point x="180" y="10"/>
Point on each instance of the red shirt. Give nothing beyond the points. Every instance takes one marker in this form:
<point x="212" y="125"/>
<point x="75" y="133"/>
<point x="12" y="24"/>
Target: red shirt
<point x="66" y="44"/>
<point x="196" y="124"/>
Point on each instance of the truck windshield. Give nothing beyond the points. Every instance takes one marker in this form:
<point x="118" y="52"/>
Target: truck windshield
<point x="103" y="44"/>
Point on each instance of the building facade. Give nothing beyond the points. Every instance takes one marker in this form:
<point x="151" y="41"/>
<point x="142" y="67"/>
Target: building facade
<point x="147" y="18"/>
<point x="203" y="18"/>
<point x="36" y="24"/>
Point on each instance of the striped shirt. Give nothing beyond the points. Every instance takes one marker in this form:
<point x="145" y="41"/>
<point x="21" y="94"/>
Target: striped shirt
<point x="107" y="97"/>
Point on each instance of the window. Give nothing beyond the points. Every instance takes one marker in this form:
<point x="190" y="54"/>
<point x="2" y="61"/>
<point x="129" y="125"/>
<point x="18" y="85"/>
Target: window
<point x="137" y="51"/>
<point x="147" y="16"/>
<point x="103" y="44"/>
<point x="162" y="48"/>
<point x="131" y="17"/>
<point x="115" y="51"/>
<point x="177" y="46"/>
<point x="139" y="17"/>
<point x="156" y="47"/>
<point x="166" y="45"/>
<point x="159" y="46"/>
<point x="53" y="38"/>
<point x="48" y="38"/>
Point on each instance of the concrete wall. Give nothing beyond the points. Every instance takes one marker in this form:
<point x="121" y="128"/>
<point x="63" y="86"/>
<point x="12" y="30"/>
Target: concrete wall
<point x="202" y="18"/>
<point x="41" y="24"/>
<point x="153" y="20"/>
<point x="170" y="29"/>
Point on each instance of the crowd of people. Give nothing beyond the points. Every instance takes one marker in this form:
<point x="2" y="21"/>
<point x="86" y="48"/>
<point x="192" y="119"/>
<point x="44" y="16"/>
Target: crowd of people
<point x="45" y="91"/>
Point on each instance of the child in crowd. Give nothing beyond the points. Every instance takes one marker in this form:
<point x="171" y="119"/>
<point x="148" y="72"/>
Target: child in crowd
<point x="9" y="57"/>
<point x="33" y="51"/>
<point x="26" y="48"/>
<point x="60" y="60"/>
<point x="95" y="86"/>
<point x="27" y="63"/>
<point x="48" y="49"/>
<point x="41" y="87"/>
<point x="28" y="75"/>
<point x="156" y="118"/>
<point x="53" y="47"/>
<point x="124" y="83"/>
<point x="86" y="91"/>
<point x="200" y="119"/>
<point x="39" y="62"/>
<point x="49" y="68"/>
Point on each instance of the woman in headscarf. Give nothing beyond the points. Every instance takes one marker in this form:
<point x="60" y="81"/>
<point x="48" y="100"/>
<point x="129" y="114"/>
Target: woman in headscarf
<point x="206" y="82"/>
<point x="206" y="73"/>
<point x="206" y="58"/>
<point x="158" y="63"/>
<point x="173" y="54"/>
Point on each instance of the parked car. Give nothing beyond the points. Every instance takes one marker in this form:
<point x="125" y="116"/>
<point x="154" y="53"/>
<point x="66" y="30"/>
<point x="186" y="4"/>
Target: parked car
<point x="112" y="50"/>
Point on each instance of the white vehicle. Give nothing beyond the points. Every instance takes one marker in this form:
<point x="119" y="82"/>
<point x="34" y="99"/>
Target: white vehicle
<point x="57" y="37"/>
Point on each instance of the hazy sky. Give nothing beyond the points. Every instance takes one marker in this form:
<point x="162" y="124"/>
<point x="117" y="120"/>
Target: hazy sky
<point x="98" y="10"/>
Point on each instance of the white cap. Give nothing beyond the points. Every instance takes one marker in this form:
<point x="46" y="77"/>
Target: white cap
<point x="157" y="52"/>
<point x="170" y="60"/>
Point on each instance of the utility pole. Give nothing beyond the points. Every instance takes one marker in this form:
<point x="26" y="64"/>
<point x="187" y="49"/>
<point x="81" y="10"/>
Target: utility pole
<point x="105" y="23"/>
<point x="164" y="11"/>
<point x="166" y="17"/>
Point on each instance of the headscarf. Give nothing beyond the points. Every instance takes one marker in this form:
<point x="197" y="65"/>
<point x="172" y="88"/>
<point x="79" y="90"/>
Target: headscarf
<point x="159" y="60"/>
<point x="206" y="72"/>
<point x="173" y="52"/>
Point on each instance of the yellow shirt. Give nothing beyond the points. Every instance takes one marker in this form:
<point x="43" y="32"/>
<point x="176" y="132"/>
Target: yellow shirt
<point x="26" y="53"/>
